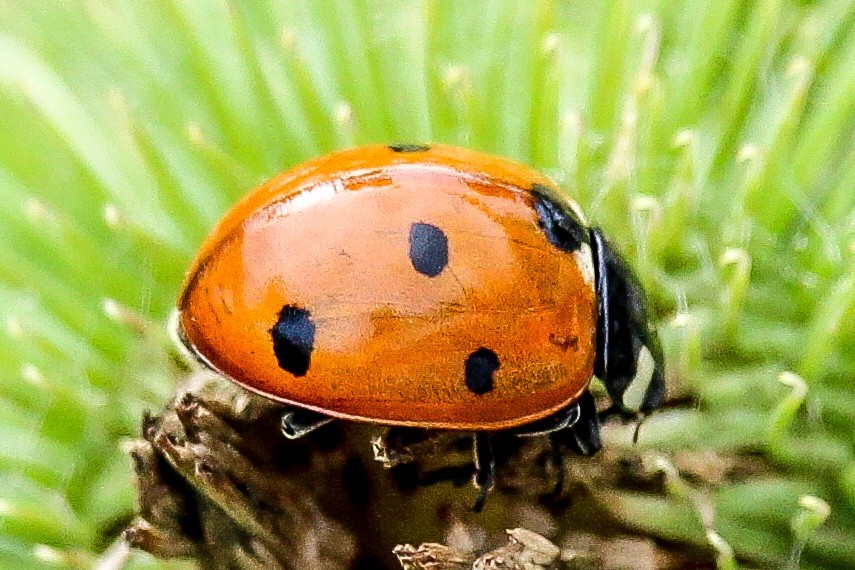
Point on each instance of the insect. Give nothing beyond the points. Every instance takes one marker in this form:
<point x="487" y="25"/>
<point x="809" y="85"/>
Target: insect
<point x="423" y="286"/>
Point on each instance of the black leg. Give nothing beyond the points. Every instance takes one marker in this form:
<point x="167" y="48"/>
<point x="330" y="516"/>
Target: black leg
<point x="485" y="468"/>
<point x="558" y="421"/>
<point x="583" y="437"/>
<point x="558" y="462"/>
<point x="297" y="422"/>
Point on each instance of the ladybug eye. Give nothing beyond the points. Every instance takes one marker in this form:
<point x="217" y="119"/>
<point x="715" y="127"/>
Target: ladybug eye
<point x="293" y="339"/>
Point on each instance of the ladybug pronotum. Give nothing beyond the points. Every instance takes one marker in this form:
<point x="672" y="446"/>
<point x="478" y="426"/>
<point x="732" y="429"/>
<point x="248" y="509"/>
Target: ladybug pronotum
<point x="423" y="286"/>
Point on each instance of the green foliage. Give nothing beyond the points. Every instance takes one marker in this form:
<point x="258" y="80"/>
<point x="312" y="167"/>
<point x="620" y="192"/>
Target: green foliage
<point x="711" y="138"/>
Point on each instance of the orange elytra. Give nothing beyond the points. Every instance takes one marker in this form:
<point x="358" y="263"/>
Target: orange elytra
<point x="425" y="286"/>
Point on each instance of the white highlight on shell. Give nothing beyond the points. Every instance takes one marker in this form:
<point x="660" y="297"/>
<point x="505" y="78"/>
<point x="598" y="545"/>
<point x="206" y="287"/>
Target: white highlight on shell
<point x="585" y="262"/>
<point x="308" y="198"/>
<point x="633" y="397"/>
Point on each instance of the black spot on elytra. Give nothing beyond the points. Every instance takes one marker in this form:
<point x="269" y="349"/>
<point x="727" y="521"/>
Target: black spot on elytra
<point x="428" y="249"/>
<point x="293" y="339"/>
<point x="480" y="367"/>
<point x="561" y="226"/>
<point x="409" y="147"/>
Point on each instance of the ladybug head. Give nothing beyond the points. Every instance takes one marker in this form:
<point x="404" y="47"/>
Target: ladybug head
<point x="629" y="356"/>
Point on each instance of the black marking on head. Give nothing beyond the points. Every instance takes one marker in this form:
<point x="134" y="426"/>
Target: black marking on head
<point x="480" y="367"/>
<point x="561" y="226"/>
<point x="623" y="327"/>
<point x="293" y="339"/>
<point x="428" y="249"/>
<point x="409" y="147"/>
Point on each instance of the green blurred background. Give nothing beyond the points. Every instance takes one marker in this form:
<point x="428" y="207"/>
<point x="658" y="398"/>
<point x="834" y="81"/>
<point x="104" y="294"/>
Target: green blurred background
<point x="713" y="139"/>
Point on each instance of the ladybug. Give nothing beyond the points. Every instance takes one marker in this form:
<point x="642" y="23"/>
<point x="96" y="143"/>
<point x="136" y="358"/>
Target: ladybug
<point x="422" y="286"/>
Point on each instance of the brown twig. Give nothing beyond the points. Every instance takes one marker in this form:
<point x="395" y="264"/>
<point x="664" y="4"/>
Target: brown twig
<point x="218" y="482"/>
<point x="206" y="491"/>
<point x="525" y="550"/>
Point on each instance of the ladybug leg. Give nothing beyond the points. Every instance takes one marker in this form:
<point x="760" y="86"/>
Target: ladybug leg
<point x="297" y="422"/>
<point x="558" y="421"/>
<point x="557" y="458"/>
<point x="485" y="468"/>
<point x="554" y="426"/>
<point x="583" y="437"/>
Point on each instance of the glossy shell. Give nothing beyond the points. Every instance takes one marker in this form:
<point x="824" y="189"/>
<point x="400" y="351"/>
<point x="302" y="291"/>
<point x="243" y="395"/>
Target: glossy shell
<point x="422" y="285"/>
